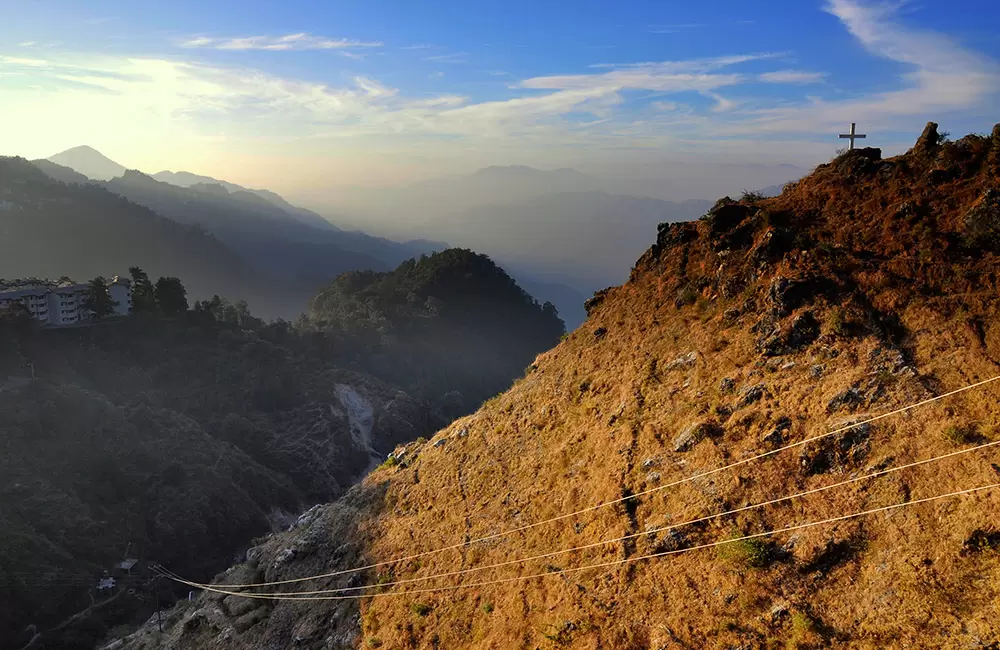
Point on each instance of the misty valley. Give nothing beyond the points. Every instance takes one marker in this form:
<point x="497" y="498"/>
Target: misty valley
<point x="436" y="325"/>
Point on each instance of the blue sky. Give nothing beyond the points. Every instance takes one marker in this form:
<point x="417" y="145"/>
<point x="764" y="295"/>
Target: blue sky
<point x="376" y="91"/>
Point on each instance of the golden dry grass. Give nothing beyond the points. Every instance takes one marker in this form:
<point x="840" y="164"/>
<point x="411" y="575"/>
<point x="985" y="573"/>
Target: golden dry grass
<point x="598" y="417"/>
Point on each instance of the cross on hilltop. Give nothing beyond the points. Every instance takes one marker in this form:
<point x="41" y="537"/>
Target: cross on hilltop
<point x="852" y="136"/>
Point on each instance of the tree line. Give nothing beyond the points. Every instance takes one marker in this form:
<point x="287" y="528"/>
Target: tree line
<point x="167" y="297"/>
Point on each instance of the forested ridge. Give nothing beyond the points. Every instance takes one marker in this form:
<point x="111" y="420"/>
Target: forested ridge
<point x="180" y="436"/>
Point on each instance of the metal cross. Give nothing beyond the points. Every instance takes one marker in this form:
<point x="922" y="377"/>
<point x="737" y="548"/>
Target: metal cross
<point x="852" y="136"/>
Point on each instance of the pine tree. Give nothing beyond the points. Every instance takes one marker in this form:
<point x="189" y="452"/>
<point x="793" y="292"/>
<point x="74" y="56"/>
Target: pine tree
<point x="98" y="300"/>
<point x="143" y="297"/>
<point x="171" y="296"/>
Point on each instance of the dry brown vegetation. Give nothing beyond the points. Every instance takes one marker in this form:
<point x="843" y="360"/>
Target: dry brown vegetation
<point x="854" y="292"/>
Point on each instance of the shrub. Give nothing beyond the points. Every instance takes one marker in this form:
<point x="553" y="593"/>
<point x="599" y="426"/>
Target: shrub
<point x="686" y="296"/>
<point x="962" y="434"/>
<point x="420" y="609"/>
<point x="488" y="608"/>
<point x="753" y="553"/>
<point x="838" y="323"/>
<point x="752" y="197"/>
<point x="803" y="631"/>
<point x="390" y="461"/>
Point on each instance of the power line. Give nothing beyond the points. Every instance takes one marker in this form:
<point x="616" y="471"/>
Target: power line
<point x="652" y="531"/>
<point x="600" y="565"/>
<point x="616" y="501"/>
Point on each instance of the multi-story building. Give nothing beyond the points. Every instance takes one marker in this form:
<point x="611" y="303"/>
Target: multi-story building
<point x="62" y="303"/>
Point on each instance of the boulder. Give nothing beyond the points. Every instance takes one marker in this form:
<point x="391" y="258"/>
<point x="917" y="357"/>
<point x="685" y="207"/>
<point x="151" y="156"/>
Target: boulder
<point x="692" y="434"/>
<point x="751" y="394"/>
<point x="684" y="361"/>
<point x="848" y="398"/>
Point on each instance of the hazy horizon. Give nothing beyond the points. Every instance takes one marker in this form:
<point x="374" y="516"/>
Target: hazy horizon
<point x="313" y="101"/>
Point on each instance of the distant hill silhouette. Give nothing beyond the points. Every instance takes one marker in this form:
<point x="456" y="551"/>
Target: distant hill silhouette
<point x="187" y="179"/>
<point x="60" y="172"/>
<point x="271" y="234"/>
<point x="89" y="162"/>
<point x="51" y="229"/>
<point x="263" y="234"/>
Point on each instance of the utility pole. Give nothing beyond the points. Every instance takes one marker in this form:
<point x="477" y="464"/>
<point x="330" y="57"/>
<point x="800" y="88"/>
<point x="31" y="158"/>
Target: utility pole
<point x="32" y="369"/>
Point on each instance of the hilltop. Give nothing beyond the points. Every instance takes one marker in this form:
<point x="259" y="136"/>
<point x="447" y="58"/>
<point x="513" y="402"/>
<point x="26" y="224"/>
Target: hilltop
<point x="866" y="286"/>
<point x="453" y="319"/>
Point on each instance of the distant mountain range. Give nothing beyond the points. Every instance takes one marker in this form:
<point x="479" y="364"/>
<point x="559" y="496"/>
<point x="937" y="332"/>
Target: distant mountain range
<point x="187" y="179"/>
<point x="51" y="229"/>
<point x="556" y="227"/>
<point x="290" y="243"/>
<point x="277" y="238"/>
<point x="560" y="232"/>
<point x="590" y="236"/>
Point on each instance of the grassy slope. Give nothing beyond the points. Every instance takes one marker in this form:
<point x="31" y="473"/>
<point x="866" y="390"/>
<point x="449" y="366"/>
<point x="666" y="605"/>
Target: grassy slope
<point x="905" y="311"/>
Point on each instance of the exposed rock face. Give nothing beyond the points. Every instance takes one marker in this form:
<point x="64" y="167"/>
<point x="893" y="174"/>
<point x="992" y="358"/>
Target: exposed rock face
<point x="876" y="308"/>
<point x="928" y="141"/>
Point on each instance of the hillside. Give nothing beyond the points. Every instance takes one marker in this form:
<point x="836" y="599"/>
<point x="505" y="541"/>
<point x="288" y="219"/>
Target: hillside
<point x="60" y="172"/>
<point x="187" y="179"/>
<point x="179" y="439"/>
<point x="53" y="229"/>
<point x="867" y="286"/>
<point x="454" y="319"/>
<point x="266" y="236"/>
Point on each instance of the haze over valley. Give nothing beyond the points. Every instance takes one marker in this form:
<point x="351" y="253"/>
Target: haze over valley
<point x="437" y="325"/>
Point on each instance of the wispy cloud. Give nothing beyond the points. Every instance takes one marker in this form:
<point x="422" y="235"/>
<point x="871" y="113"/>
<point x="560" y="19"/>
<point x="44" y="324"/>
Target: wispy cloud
<point x="665" y="106"/>
<point x="791" y="77"/>
<point x="942" y="77"/>
<point x="609" y="104"/>
<point x="453" y="57"/>
<point x="300" y="41"/>
<point x="28" y="44"/>
<point x="420" y="46"/>
<point x="722" y="104"/>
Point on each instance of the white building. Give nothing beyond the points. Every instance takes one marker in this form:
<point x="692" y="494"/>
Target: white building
<point x="60" y="304"/>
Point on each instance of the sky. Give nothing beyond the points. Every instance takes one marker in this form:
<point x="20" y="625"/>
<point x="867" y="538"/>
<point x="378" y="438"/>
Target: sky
<point x="305" y="94"/>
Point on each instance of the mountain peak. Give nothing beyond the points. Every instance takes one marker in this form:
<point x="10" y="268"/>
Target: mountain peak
<point x="88" y="161"/>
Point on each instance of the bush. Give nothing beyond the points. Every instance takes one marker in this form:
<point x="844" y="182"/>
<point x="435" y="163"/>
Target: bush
<point x="838" y="322"/>
<point x="753" y="553"/>
<point x="752" y="197"/>
<point x="390" y="461"/>
<point x="420" y="609"/>
<point x="686" y="296"/>
<point x="488" y="608"/>
<point x="962" y="434"/>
